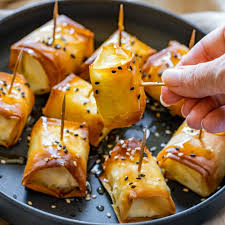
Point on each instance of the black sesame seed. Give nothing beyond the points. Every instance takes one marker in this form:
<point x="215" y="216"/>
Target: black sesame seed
<point x="88" y="111"/>
<point x="133" y="186"/>
<point x="84" y="138"/>
<point x="96" y="92"/>
<point x="64" y="49"/>
<point x="23" y="94"/>
<point x="139" y="96"/>
<point x="132" y="88"/>
<point x="160" y="73"/>
<point x="100" y="190"/>
<point x="66" y="151"/>
<point x="145" y="155"/>
<point x="138" y="178"/>
<point x="60" y="145"/>
<point x="101" y="134"/>
<point x="130" y="183"/>
<point x="100" y="208"/>
<point x="64" y="147"/>
<point x="76" y="135"/>
<point x="67" y="131"/>
<point x="97" y="82"/>
<point x="137" y="162"/>
<point x="177" y="148"/>
<point x="56" y="142"/>
<point x="175" y="56"/>
<point x="1" y="89"/>
<point x="149" y="75"/>
<point x="73" y="56"/>
<point x="134" y="61"/>
<point x="131" y="68"/>
<point x="192" y="155"/>
<point x="142" y="175"/>
<point x="119" y="68"/>
<point x="76" y="89"/>
<point x="167" y="65"/>
<point x="58" y="46"/>
<point x="18" y="89"/>
<point x="5" y="93"/>
<point x="143" y="75"/>
<point x="123" y="158"/>
<point x="113" y="71"/>
<point x="126" y="178"/>
<point x="27" y="84"/>
<point x="68" y="88"/>
<point x="81" y="126"/>
<point x="84" y="103"/>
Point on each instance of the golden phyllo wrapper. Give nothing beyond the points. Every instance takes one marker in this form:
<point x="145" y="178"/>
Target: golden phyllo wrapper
<point x="56" y="167"/>
<point x="116" y="82"/>
<point x="197" y="163"/>
<point x="45" y="64"/>
<point x="136" y="196"/>
<point x="80" y="106"/>
<point x="156" y="64"/>
<point x="141" y="50"/>
<point x="14" y="107"/>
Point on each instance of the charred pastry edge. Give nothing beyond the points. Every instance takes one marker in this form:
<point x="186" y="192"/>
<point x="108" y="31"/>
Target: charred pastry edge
<point x="72" y="165"/>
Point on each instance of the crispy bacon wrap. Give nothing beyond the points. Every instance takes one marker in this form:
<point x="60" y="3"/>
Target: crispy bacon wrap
<point x="156" y="64"/>
<point x="45" y="64"/>
<point x="136" y="196"/>
<point x="81" y="106"/>
<point x="198" y="164"/>
<point x="141" y="50"/>
<point x="14" y="107"/>
<point x="56" y="167"/>
<point x="116" y="82"/>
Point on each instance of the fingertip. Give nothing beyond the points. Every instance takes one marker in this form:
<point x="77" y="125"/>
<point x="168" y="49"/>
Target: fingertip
<point x="162" y="102"/>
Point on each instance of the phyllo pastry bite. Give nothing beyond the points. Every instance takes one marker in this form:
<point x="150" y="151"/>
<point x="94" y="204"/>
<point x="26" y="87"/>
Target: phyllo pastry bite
<point x="198" y="164"/>
<point x="128" y="41"/>
<point x="56" y="167"/>
<point x="116" y="82"/>
<point x="44" y="63"/>
<point x="81" y="106"/>
<point x="156" y="64"/>
<point x="14" y="107"/>
<point x="136" y="196"/>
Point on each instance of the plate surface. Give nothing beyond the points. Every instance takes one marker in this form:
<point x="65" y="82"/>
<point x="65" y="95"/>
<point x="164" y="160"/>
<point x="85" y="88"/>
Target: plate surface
<point x="155" y="28"/>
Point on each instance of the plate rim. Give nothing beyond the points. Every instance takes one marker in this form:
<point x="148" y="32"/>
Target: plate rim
<point x="170" y="218"/>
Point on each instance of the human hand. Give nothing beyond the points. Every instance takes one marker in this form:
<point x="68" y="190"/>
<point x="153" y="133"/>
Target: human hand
<point x="199" y="78"/>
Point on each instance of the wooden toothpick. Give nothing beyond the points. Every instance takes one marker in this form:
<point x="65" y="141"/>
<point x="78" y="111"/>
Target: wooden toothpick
<point x="142" y="150"/>
<point x="55" y="15"/>
<point x="200" y="134"/>
<point x="192" y="40"/>
<point x="152" y="84"/>
<point x="15" y="70"/>
<point x="63" y="117"/>
<point x="120" y="24"/>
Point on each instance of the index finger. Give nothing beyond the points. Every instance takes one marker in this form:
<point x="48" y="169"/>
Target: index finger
<point x="209" y="48"/>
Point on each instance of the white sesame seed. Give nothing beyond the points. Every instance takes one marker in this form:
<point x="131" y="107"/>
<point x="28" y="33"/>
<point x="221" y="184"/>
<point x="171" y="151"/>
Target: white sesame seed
<point x="3" y="161"/>
<point x="185" y="189"/>
<point x="168" y="132"/>
<point x="68" y="201"/>
<point x="46" y="159"/>
<point x="129" y="149"/>
<point x="98" y="160"/>
<point x="202" y="199"/>
<point x="153" y="148"/>
<point x="138" y="148"/>
<point x="180" y="154"/>
<point x="121" y="142"/>
<point x="108" y="215"/>
<point x="124" y="145"/>
<point x="74" y="163"/>
<point x="109" y="146"/>
<point x="94" y="196"/>
<point x="53" y="206"/>
<point x="162" y="144"/>
<point x="156" y="134"/>
<point x="29" y="203"/>
<point x="88" y="197"/>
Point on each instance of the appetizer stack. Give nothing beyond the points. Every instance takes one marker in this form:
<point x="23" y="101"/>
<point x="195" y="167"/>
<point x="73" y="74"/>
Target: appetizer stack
<point x="79" y="113"/>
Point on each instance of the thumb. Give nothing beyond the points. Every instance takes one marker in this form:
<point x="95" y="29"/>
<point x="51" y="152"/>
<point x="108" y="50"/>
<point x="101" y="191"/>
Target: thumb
<point x="197" y="81"/>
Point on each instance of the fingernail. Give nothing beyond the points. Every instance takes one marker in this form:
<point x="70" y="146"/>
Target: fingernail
<point x="163" y="103"/>
<point x="183" y="112"/>
<point x="171" y="77"/>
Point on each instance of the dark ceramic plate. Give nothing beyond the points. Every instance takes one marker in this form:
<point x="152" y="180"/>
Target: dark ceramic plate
<point x="155" y="27"/>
